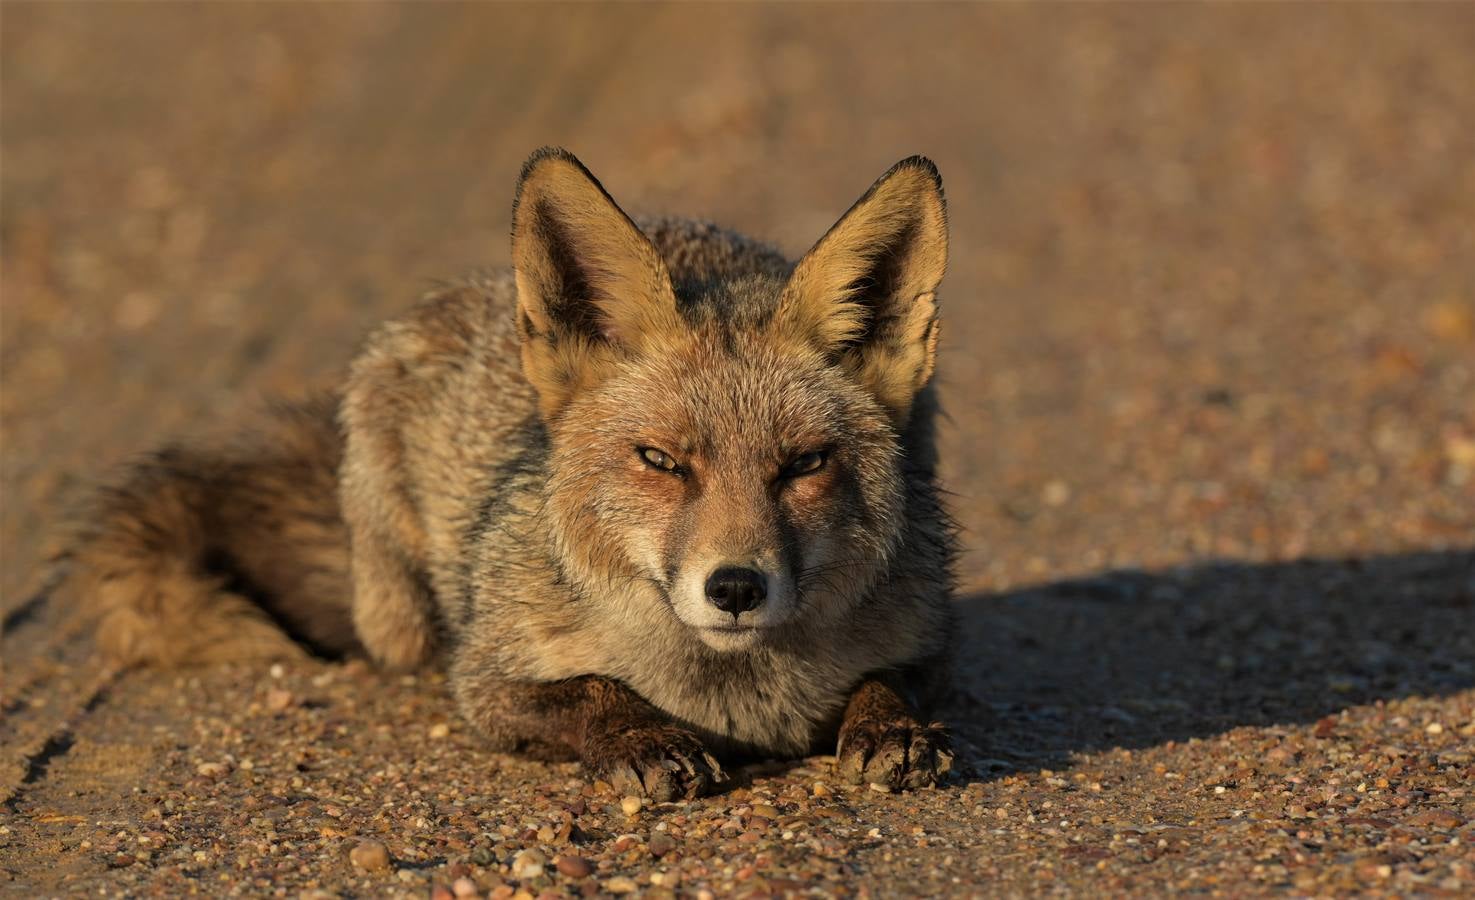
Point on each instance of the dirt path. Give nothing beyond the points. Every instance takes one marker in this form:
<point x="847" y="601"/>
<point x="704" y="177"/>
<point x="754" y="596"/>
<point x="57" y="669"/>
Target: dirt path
<point x="1209" y="357"/>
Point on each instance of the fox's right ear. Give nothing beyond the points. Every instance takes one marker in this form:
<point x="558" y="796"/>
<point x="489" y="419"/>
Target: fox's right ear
<point x="590" y="286"/>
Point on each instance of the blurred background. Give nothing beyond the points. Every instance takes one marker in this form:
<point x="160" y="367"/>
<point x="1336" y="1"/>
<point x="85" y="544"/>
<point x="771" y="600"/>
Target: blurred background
<point x="1212" y="270"/>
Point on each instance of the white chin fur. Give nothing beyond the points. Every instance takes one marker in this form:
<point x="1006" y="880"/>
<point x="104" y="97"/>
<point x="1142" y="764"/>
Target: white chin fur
<point x="731" y="641"/>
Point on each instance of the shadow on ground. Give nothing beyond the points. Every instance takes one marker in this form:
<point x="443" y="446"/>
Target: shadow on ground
<point x="1131" y="659"/>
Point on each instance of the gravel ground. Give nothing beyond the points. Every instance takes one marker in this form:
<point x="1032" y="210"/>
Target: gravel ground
<point x="1209" y="357"/>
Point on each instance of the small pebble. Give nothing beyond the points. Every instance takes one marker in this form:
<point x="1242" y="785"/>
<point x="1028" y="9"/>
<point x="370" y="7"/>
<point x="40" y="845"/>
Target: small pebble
<point x="440" y="730"/>
<point x="631" y="805"/>
<point x="528" y="864"/>
<point x="661" y="844"/>
<point x="575" y="866"/>
<point x="821" y="789"/>
<point x="621" y="885"/>
<point x="1055" y="493"/>
<point x="1438" y="818"/>
<point x="370" y="856"/>
<point x="212" y="769"/>
<point x="277" y="700"/>
<point x="464" y="887"/>
<point x="441" y="892"/>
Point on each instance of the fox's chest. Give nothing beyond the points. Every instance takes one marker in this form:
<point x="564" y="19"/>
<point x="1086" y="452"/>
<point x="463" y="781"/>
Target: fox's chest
<point x="782" y="699"/>
<point x="766" y="704"/>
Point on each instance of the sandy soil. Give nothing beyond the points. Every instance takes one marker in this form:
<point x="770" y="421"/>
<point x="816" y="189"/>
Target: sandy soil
<point x="1209" y="360"/>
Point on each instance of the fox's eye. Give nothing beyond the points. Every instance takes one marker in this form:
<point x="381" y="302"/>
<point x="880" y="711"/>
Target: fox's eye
<point x="805" y="464"/>
<point x="658" y="459"/>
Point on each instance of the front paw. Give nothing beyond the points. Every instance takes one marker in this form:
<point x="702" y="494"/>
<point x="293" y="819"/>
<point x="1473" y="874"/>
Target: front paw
<point x="663" y="762"/>
<point x="897" y="753"/>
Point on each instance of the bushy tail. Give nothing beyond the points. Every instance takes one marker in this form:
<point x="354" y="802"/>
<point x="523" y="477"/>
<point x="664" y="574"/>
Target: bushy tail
<point x="221" y="550"/>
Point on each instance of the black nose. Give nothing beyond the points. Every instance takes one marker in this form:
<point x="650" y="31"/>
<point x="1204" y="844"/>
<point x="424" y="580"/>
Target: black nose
<point x="735" y="590"/>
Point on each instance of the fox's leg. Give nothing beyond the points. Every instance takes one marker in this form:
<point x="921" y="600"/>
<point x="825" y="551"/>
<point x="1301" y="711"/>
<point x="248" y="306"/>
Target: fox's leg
<point x="391" y="606"/>
<point x="615" y="732"/>
<point x="884" y="740"/>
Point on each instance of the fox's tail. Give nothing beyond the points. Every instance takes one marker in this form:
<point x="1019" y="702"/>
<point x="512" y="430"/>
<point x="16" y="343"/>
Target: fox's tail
<point x="220" y="551"/>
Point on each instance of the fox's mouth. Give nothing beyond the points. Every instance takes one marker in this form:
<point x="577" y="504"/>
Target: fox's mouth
<point x="733" y="637"/>
<point x="730" y="629"/>
<point x="734" y="628"/>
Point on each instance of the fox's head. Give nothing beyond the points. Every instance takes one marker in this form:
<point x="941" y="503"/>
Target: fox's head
<point x="733" y="442"/>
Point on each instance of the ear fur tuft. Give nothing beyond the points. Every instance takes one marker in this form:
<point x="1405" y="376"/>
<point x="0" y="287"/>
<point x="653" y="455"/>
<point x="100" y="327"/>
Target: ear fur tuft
<point x="590" y="286"/>
<point x="866" y="293"/>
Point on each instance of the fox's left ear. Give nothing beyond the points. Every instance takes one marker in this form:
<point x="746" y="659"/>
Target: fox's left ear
<point x="867" y="292"/>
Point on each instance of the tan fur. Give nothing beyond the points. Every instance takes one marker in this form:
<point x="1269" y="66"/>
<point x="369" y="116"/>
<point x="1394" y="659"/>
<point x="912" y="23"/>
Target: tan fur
<point x="490" y="500"/>
<point x="614" y="299"/>
<point x="878" y="269"/>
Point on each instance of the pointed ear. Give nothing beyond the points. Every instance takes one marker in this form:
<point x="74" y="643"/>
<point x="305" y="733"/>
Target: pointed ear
<point x="867" y="292"/>
<point x="590" y="286"/>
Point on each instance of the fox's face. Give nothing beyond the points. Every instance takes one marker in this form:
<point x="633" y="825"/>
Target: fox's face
<point x="732" y="446"/>
<point x="749" y="483"/>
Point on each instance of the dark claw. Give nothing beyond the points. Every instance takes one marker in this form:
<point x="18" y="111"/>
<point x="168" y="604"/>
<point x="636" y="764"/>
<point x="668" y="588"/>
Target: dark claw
<point x="899" y="754"/>
<point x="662" y="762"/>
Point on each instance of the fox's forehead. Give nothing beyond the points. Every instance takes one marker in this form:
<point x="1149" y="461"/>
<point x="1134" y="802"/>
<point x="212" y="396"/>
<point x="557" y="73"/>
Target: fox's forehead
<point x="729" y="391"/>
<point x="731" y="308"/>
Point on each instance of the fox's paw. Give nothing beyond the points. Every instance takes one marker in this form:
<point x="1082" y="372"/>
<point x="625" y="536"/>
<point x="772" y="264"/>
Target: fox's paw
<point x="897" y="753"/>
<point x="663" y="762"/>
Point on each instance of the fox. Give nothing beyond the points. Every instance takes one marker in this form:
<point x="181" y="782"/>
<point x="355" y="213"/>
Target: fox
<point x="656" y="498"/>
